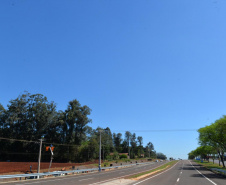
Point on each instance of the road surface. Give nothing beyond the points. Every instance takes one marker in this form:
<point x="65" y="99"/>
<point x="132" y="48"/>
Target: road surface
<point x="184" y="172"/>
<point x="91" y="178"/>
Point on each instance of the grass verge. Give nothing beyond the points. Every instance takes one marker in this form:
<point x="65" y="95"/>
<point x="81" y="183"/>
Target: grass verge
<point x="161" y="168"/>
<point x="209" y="165"/>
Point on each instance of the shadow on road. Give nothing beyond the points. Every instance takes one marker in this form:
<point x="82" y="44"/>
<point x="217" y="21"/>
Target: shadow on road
<point x="209" y="174"/>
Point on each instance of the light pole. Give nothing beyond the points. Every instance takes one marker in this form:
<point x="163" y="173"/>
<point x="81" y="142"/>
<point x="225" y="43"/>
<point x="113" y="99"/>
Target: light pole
<point x="129" y="152"/>
<point x="100" y="153"/>
<point x="39" y="157"/>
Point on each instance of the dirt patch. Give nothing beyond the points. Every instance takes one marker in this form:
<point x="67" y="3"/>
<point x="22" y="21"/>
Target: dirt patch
<point x="24" y="167"/>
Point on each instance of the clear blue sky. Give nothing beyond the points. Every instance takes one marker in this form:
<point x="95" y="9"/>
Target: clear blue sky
<point x="139" y="65"/>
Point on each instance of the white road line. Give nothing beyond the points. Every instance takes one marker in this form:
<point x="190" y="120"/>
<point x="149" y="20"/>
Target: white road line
<point x="203" y="175"/>
<point x="108" y="180"/>
<point x="85" y="179"/>
<point x="178" y="179"/>
<point x="155" y="175"/>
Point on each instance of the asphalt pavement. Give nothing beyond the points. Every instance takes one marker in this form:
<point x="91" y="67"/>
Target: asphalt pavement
<point x="91" y="178"/>
<point x="184" y="173"/>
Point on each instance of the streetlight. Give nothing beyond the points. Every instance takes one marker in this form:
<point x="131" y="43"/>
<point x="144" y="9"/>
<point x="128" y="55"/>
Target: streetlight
<point x="39" y="157"/>
<point x="100" y="151"/>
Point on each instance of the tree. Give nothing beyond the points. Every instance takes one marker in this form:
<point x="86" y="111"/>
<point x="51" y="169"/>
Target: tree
<point x="76" y="117"/>
<point x="191" y="155"/>
<point x="150" y="148"/>
<point x="107" y="142"/>
<point x="133" y="142"/>
<point x="140" y="147"/>
<point x="127" y="141"/>
<point x="2" y="120"/>
<point x="117" y="140"/>
<point x="28" y="117"/>
<point x="140" y="140"/>
<point x="161" y="156"/>
<point x="214" y="135"/>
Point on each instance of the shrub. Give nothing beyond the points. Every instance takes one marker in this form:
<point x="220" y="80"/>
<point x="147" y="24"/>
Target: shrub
<point x="123" y="156"/>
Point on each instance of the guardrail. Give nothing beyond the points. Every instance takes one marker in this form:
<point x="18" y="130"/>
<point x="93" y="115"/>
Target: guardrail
<point x="60" y="173"/>
<point x="219" y="170"/>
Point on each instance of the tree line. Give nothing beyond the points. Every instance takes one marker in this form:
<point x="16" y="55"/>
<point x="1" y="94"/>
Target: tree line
<point x="212" y="140"/>
<point x="30" y="117"/>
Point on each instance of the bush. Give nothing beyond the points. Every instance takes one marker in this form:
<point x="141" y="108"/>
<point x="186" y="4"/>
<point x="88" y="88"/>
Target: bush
<point x="109" y="158"/>
<point x="123" y="156"/>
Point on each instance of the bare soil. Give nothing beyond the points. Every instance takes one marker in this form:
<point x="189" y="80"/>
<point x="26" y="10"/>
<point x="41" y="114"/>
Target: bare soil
<point x="24" y="167"/>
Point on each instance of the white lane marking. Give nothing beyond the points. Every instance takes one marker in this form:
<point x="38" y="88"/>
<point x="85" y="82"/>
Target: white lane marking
<point x="108" y="180"/>
<point x="178" y="179"/>
<point x="85" y="179"/>
<point x="180" y="172"/>
<point x="203" y="175"/>
<point x="155" y="175"/>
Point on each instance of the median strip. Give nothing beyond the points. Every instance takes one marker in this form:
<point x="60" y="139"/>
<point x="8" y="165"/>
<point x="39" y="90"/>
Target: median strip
<point x="151" y="172"/>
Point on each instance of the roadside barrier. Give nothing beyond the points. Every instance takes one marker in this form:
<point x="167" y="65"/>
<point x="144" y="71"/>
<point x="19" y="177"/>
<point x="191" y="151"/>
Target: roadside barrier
<point x="61" y="173"/>
<point x="219" y="170"/>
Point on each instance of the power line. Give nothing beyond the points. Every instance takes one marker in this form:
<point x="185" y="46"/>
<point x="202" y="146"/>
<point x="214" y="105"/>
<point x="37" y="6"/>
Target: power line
<point x="21" y="140"/>
<point x="169" y="130"/>
<point x="27" y="141"/>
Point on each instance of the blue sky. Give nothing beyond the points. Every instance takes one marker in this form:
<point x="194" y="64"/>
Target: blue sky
<point x="139" y="65"/>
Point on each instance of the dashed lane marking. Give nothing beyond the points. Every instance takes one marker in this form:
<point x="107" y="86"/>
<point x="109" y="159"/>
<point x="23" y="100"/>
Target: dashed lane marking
<point x="203" y="175"/>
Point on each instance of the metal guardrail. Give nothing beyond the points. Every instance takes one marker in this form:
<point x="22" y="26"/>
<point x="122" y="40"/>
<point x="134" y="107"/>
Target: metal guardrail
<point x="60" y="173"/>
<point x="219" y="170"/>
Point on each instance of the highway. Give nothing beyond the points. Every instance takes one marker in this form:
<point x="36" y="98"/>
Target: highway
<point x="184" y="172"/>
<point x="90" y="178"/>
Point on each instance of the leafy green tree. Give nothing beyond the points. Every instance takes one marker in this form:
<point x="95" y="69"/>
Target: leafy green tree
<point x="3" y="125"/>
<point x="76" y="122"/>
<point x="107" y="142"/>
<point x="117" y="140"/>
<point x="161" y="156"/>
<point x="126" y="142"/>
<point x="28" y="117"/>
<point x="133" y="142"/>
<point x="150" y="148"/>
<point x="140" y="147"/>
<point x="191" y="155"/>
<point x="214" y="135"/>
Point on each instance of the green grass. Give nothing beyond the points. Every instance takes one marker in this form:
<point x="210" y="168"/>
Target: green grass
<point x="119" y="161"/>
<point x="210" y="164"/>
<point x="156" y="169"/>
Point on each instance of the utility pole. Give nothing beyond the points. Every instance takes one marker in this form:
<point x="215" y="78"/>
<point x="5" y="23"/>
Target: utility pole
<point x="103" y="153"/>
<point x="129" y="152"/>
<point x="39" y="157"/>
<point x="100" y="153"/>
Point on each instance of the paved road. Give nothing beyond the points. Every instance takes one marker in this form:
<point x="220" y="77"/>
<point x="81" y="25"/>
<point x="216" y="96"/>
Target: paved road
<point x="184" y="173"/>
<point x="91" y="178"/>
